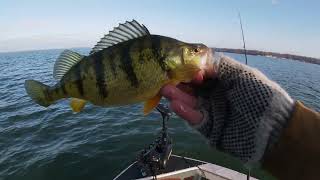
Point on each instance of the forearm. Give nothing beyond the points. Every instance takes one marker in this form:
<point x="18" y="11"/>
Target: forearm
<point x="296" y="155"/>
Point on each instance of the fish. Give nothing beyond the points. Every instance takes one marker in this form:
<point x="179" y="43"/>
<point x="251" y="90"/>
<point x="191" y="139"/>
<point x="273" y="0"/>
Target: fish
<point x="128" y="65"/>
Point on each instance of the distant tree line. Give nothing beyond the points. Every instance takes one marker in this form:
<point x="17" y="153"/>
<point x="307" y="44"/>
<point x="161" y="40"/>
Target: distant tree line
<point x="272" y="54"/>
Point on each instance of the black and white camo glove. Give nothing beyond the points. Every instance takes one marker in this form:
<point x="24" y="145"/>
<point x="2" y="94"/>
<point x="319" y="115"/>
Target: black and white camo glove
<point x="244" y="112"/>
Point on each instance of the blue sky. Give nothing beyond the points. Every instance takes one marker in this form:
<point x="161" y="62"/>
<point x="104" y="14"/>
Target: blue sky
<point x="286" y="26"/>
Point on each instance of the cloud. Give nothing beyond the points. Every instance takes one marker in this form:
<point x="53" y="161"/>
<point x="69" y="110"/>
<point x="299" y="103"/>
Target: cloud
<point x="274" y="2"/>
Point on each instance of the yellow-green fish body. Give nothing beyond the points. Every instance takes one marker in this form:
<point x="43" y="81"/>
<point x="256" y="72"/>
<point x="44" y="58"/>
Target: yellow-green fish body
<point x="126" y="72"/>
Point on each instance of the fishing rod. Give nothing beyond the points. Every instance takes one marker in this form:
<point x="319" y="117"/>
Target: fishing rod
<point x="245" y="54"/>
<point x="243" y="40"/>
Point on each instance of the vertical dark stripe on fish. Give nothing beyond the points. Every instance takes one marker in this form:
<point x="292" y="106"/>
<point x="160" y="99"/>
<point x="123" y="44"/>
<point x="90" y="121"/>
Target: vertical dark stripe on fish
<point x="79" y="79"/>
<point x="127" y="64"/>
<point x="100" y="74"/>
<point x="156" y="48"/>
<point x="63" y="87"/>
<point x="182" y="57"/>
<point x="141" y="56"/>
<point x="112" y="62"/>
<point x="47" y="95"/>
<point x="56" y="91"/>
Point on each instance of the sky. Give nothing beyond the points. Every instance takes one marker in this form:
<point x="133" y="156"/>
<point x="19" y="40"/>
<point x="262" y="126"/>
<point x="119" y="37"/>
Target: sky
<point x="285" y="26"/>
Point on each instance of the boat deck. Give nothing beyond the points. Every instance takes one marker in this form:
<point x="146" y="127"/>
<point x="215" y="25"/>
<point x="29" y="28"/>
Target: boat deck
<point x="184" y="168"/>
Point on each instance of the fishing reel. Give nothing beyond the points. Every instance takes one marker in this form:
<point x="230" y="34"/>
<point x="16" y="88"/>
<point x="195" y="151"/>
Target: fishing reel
<point x="154" y="158"/>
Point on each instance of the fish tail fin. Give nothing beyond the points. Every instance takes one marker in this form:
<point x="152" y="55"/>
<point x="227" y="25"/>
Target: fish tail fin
<point x="38" y="92"/>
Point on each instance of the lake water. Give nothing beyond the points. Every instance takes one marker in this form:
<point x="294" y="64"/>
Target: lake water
<point x="38" y="143"/>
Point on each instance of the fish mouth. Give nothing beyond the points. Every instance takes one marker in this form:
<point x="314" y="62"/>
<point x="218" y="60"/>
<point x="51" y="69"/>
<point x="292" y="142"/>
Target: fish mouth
<point x="206" y="58"/>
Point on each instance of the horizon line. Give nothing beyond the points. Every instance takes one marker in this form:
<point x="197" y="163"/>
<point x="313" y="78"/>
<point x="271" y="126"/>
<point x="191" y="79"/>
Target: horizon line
<point x="82" y="47"/>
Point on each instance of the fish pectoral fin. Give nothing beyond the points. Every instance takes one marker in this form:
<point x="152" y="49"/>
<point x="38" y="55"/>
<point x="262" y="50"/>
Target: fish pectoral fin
<point x="77" y="104"/>
<point x="150" y="104"/>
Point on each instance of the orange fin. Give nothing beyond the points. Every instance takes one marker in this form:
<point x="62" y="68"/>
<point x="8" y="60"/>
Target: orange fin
<point x="150" y="104"/>
<point x="77" y="104"/>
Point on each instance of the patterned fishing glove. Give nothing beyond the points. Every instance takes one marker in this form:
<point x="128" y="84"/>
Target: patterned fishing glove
<point x="245" y="112"/>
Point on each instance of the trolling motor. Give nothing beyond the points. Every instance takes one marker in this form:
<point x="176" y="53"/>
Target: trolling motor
<point x="155" y="157"/>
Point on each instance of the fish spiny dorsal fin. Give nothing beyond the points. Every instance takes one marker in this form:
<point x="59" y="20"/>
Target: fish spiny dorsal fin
<point x="65" y="61"/>
<point x="122" y="33"/>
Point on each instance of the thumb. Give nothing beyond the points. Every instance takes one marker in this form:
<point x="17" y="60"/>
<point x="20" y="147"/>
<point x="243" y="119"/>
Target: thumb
<point x="186" y="112"/>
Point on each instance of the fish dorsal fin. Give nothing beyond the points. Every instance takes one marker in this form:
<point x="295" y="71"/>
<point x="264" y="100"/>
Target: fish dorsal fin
<point x="65" y="61"/>
<point x="122" y="33"/>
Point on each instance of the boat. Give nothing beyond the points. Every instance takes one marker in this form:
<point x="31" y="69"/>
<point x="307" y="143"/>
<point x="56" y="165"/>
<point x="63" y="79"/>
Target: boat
<point x="156" y="161"/>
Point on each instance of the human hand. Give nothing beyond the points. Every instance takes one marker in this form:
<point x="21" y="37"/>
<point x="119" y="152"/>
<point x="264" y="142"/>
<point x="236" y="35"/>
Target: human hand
<point x="183" y="100"/>
<point x="241" y="112"/>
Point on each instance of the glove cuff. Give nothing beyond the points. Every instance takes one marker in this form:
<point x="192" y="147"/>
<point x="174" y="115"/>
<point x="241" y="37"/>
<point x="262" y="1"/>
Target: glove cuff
<point x="274" y="120"/>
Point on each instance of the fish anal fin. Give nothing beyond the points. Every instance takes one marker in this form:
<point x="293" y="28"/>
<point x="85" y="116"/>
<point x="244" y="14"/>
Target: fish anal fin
<point x="77" y="104"/>
<point x="150" y="104"/>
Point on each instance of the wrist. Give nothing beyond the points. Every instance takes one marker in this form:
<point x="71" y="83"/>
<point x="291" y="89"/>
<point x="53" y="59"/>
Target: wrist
<point x="273" y="122"/>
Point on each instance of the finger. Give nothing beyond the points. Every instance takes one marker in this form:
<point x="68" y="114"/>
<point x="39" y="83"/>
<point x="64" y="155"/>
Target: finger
<point x="173" y="93"/>
<point x="187" y="88"/>
<point x="186" y="112"/>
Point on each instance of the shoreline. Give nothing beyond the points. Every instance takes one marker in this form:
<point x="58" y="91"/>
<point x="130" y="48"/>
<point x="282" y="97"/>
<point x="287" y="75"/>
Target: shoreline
<point x="305" y="59"/>
<point x="270" y="54"/>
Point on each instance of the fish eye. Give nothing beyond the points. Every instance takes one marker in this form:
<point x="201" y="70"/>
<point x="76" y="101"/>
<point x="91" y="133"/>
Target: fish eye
<point x="196" y="50"/>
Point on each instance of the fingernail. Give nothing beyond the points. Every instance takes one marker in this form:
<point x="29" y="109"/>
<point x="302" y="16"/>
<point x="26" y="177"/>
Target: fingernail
<point x="182" y="108"/>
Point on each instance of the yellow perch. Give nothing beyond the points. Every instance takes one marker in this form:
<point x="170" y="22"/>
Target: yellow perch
<point x="128" y="65"/>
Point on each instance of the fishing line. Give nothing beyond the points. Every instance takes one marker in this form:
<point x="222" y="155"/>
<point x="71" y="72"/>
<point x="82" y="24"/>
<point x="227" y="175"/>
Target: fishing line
<point x="201" y="170"/>
<point x="243" y="40"/>
<point x="245" y="54"/>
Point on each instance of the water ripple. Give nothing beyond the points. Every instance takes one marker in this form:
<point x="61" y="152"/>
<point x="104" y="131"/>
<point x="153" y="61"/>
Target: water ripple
<point x="54" y="143"/>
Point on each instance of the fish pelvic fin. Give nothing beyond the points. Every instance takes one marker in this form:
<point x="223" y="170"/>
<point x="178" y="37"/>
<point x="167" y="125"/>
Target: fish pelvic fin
<point x="150" y="104"/>
<point x="38" y="92"/>
<point x="77" y="104"/>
